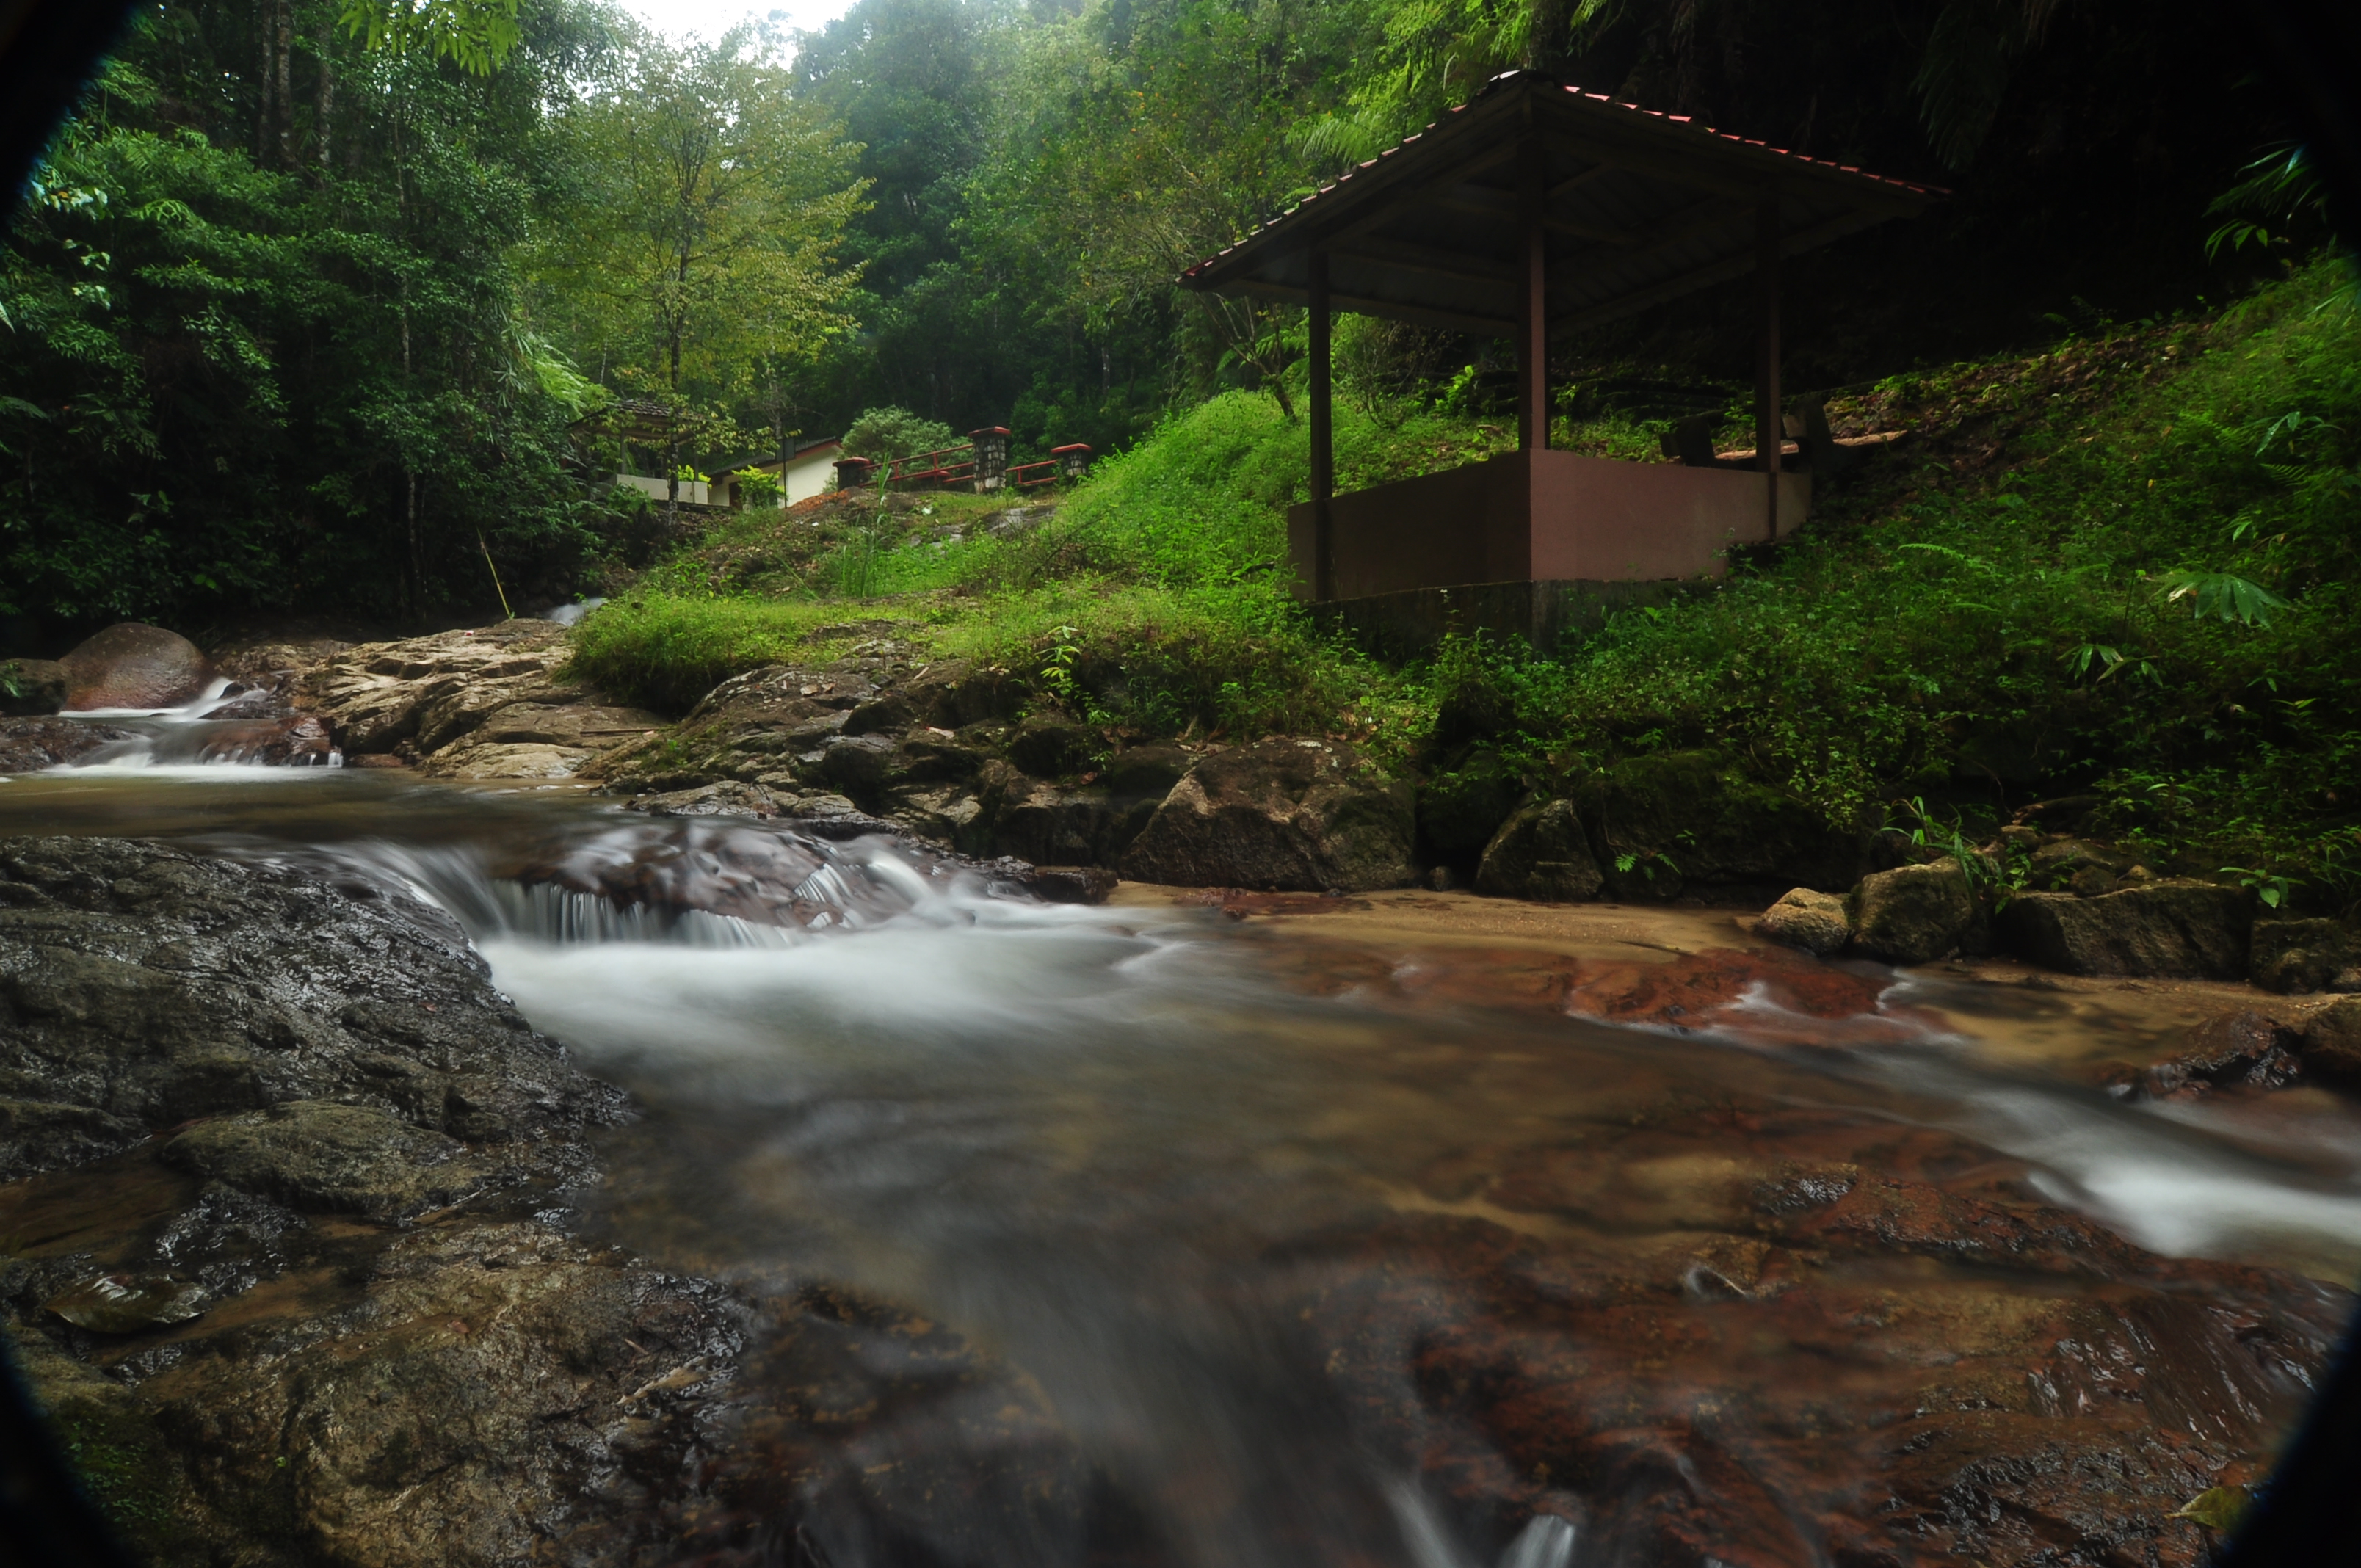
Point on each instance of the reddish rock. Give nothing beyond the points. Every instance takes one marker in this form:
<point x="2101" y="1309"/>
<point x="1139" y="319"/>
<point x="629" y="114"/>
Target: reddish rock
<point x="295" y="739"/>
<point x="135" y="665"/>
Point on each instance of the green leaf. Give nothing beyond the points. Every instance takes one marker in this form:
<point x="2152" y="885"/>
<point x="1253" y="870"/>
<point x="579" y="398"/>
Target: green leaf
<point x="2222" y="596"/>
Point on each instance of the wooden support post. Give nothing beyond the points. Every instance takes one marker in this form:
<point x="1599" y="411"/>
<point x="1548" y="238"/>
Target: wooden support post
<point x="1323" y="442"/>
<point x="1532" y="299"/>
<point x="1769" y="433"/>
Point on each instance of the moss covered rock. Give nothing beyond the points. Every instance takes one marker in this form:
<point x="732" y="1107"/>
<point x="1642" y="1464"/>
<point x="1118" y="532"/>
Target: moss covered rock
<point x="1914" y="914"/>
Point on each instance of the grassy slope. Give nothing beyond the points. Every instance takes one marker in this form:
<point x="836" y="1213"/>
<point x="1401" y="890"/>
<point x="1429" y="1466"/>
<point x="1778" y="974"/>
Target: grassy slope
<point x="1980" y="618"/>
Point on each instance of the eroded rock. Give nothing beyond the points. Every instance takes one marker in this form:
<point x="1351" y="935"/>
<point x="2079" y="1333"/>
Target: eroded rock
<point x="1286" y="815"/>
<point x="478" y="704"/>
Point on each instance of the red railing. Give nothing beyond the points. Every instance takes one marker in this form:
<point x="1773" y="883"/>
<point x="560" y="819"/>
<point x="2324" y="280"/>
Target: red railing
<point x="966" y="465"/>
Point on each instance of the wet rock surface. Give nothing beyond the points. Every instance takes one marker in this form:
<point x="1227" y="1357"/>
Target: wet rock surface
<point x="326" y="1317"/>
<point x="29" y="745"/>
<point x="141" y="987"/>
<point x="132" y="664"/>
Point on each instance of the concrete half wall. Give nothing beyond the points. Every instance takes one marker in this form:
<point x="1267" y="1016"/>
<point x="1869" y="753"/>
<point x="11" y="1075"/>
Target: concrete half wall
<point x="1545" y="516"/>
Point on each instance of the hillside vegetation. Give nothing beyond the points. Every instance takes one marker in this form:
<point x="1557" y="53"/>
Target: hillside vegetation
<point x="2123" y="567"/>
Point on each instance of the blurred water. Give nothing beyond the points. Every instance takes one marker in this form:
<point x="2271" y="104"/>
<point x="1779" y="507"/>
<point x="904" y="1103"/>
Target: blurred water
<point x="1129" y="1153"/>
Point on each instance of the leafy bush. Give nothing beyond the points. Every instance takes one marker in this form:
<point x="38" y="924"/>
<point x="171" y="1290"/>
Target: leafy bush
<point x="889" y="433"/>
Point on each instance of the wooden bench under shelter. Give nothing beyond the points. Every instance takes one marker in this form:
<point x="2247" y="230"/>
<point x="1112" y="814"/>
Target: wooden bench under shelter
<point x="1532" y="209"/>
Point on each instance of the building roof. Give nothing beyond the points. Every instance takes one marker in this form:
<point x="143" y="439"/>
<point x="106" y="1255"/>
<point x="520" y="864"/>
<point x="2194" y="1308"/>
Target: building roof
<point x="1640" y="207"/>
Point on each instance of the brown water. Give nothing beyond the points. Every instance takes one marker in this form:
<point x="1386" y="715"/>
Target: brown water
<point x="1404" y="1229"/>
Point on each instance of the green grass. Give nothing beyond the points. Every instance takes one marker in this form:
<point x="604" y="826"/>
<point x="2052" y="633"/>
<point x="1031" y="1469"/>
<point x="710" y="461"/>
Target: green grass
<point x="1982" y="616"/>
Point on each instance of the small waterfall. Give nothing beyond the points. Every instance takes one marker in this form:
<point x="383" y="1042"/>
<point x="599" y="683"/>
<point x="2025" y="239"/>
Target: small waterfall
<point x="210" y="733"/>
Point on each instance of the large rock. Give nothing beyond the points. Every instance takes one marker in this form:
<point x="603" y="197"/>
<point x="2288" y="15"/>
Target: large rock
<point x="1286" y="814"/>
<point x="29" y="745"/>
<point x="2297" y="956"/>
<point x="31" y="687"/>
<point x="1540" y="853"/>
<point x="142" y="987"/>
<point x="479" y="705"/>
<point x="135" y="665"/>
<point x="1680" y="818"/>
<point x="1807" y="918"/>
<point x="1914" y="914"/>
<point x="2175" y="927"/>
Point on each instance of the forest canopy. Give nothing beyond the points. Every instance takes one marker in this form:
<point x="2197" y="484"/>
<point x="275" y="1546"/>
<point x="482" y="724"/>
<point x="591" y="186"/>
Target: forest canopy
<point x="320" y="306"/>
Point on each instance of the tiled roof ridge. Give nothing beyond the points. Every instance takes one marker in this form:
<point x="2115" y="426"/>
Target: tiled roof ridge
<point x="1576" y="90"/>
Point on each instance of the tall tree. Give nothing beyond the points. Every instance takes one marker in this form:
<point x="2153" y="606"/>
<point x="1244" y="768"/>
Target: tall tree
<point x="703" y="248"/>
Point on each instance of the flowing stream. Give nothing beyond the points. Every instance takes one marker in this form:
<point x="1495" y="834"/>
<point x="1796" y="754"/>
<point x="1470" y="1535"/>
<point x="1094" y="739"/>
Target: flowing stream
<point x="1205" y="1203"/>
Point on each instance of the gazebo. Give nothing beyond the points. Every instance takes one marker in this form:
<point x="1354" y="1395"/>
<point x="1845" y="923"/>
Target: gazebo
<point x="1535" y="208"/>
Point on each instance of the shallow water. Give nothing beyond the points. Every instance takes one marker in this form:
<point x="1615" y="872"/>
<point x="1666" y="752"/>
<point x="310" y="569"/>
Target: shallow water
<point x="1179" y="1238"/>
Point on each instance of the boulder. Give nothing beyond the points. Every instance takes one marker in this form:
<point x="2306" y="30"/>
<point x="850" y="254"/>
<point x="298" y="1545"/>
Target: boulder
<point x="322" y="1157"/>
<point x="31" y="687"/>
<point x="1460" y="809"/>
<point x="1682" y="818"/>
<point x="29" y="745"/>
<point x="141" y="987"/>
<point x="2329" y="1043"/>
<point x="1540" y="853"/>
<point x="1807" y="918"/>
<point x="2297" y="956"/>
<point x="1914" y="914"/>
<point x="2173" y="927"/>
<point x="1286" y="814"/>
<point x="135" y="665"/>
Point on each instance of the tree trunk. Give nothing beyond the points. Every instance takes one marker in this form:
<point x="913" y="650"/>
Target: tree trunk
<point x="323" y="109"/>
<point x="281" y="88"/>
<point x="265" y="28"/>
